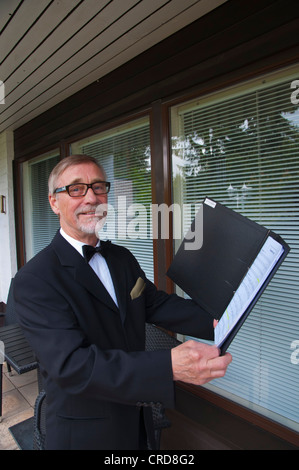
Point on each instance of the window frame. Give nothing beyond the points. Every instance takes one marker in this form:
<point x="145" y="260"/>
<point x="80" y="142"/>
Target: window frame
<point x="221" y="401"/>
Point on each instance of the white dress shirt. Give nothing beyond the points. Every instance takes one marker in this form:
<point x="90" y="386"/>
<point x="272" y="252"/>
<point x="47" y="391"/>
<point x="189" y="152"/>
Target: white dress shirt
<point x="98" y="264"/>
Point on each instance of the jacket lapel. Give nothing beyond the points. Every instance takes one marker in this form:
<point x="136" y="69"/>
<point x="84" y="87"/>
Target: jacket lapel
<point x="86" y="276"/>
<point x="119" y="280"/>
<point x="82" y="272"/>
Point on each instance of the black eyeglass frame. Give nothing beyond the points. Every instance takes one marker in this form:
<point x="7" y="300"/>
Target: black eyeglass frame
<point x="87" y="186"/>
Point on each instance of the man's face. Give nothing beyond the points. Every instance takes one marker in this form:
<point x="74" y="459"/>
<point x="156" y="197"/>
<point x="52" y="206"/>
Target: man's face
<point x="77" y="215"/>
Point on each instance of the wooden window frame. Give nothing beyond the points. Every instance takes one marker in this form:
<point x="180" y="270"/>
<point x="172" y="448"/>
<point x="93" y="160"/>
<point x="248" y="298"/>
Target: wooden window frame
<point x="214" y="398"/>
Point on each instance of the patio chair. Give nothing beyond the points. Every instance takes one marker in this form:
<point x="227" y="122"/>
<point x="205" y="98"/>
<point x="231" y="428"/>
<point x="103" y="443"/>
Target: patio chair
<point x="159" y="339"/>
<point x="17" y="351"/>
<point x="39" y="428"/>
<point x="155" y="339"/>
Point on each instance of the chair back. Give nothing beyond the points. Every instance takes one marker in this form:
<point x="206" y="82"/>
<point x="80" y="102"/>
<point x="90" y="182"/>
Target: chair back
<point x="156" y="339"/>
<point x="39" y="433"/>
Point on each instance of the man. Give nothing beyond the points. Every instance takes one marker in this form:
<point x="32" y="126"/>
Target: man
<point x="86" y="323"/>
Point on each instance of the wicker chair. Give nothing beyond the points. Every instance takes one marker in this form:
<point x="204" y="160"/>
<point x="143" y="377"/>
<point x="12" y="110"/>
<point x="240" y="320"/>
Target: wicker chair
<point x="155" y="339"/>
<point x="39" y="433"/>
<point x="17" y="352"/>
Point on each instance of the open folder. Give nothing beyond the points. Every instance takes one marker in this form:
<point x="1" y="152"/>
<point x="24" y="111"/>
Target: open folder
<point x="230" y="269"/>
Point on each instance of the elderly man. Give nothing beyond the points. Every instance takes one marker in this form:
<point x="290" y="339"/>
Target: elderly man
<point x="86" y="322"/>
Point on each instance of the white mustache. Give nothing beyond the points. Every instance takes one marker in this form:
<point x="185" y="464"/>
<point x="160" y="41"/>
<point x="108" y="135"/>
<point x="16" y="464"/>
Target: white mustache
<point x="85" y="210"/>
<point x="99" y="210"/>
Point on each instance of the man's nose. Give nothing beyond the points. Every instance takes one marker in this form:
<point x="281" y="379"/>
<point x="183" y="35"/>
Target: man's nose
<point x="90" y="196"/>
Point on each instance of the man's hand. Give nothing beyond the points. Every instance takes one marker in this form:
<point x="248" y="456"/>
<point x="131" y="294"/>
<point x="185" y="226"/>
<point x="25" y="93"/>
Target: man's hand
<point x="198" y="363"/>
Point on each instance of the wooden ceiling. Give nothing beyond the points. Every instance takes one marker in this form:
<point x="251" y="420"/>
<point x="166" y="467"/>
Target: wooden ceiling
<point x="50" y="49"/>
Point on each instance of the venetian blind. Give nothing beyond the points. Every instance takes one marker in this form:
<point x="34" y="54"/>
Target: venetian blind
<point x="44" y="223"/>
<point x="124" y="153"/>
<point x="243" y="151"/>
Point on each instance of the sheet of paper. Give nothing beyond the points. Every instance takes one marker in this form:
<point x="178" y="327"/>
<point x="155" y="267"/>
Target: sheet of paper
<point x="251" y="284"/>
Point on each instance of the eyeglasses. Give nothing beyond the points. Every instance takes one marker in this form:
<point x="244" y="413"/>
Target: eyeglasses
<point x="80" y="189"/>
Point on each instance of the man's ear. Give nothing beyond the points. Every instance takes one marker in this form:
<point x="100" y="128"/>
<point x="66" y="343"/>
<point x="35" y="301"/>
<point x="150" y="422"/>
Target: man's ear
<point x="54" y="204"/>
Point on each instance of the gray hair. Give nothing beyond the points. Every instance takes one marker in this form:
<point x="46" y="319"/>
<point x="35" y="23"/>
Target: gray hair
<point x="66" y="163"/>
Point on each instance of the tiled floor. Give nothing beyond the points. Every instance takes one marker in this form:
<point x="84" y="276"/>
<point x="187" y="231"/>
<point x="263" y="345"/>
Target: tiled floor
<point x="19" y="395"/>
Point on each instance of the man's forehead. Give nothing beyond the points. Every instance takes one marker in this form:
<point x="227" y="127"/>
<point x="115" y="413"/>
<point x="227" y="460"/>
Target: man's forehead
<point x="79" y="173"/>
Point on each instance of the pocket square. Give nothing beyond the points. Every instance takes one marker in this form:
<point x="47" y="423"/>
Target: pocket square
<point x="137" y="289"/>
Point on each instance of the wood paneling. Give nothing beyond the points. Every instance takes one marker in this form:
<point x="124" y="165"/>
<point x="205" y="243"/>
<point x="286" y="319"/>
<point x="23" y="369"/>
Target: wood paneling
<point x="52" y="49"/>
<point x="224" y="45"/>
<point x="220" y="424"/>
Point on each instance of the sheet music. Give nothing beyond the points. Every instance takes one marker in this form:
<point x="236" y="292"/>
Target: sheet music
<point x="252" y="282"/>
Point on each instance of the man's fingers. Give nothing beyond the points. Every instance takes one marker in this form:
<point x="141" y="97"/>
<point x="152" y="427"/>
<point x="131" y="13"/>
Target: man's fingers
<point x="198" y="363"/>
<point x="220" y="362"/>
<point x="219" y="365"/>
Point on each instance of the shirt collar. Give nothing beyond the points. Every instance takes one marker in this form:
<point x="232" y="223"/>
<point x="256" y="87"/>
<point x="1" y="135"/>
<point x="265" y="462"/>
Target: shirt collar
<point x="75" y="243"/>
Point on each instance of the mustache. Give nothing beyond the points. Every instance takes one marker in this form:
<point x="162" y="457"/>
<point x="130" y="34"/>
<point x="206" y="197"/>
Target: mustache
<point x="85" y="209"/>
<point x="100" y="210"/>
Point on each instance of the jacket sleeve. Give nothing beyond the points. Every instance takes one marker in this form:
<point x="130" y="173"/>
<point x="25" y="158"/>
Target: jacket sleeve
<point x="178" y="314"/>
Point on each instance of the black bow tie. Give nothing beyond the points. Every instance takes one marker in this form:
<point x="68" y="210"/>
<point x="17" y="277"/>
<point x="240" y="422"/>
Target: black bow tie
<point x="89" y="251"/>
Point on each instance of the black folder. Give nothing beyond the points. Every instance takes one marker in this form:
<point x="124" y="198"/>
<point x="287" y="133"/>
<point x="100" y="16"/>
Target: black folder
<point x="212" y="273"/>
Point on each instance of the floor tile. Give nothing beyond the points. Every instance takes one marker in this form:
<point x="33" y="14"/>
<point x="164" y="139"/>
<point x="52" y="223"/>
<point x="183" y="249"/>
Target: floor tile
<point x="7" y="442"/>
<point x="7" y="385"/>
<point x="18" y="399"/>
<point x="18" y="380"/>
<point x="13" y="402"/>
<point x="29" y="392"/>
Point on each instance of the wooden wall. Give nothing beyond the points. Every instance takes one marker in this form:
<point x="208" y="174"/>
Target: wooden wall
<point x="238" y="39"/>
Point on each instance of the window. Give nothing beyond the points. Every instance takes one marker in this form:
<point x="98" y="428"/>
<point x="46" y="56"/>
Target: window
<point x="125" y="155"/>
<point x="41" y="223"/>
<point x="241" y="148"/>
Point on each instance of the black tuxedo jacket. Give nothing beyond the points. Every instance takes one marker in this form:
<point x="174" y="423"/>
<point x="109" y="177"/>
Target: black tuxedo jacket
<point x="91" y="353"/>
